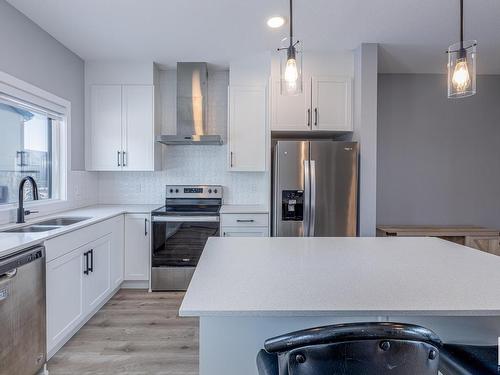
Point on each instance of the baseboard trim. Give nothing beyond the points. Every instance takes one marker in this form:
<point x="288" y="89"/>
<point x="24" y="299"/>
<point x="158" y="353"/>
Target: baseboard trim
<point x="135" y="284"/>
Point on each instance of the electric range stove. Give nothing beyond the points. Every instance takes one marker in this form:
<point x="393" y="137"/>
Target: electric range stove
<point x="180" y="230"/>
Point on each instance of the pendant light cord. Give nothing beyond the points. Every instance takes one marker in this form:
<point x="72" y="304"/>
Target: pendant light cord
<point x="461" y="23"/>
<point x="291" y="23"/>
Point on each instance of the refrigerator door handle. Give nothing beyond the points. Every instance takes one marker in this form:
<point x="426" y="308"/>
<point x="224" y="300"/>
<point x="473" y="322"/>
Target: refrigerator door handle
<point x="307" y="198"/>
<point x="312" y="209"/>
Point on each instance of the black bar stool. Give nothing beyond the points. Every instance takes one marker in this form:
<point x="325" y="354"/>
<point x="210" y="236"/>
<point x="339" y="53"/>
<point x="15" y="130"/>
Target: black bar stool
<point x="355" y="348"/>
<point x="468" y="360"/>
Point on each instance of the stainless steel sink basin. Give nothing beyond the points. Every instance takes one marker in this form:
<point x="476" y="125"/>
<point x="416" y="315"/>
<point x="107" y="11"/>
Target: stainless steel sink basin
<point x="62" y="221"/>
<point x="46" y="225"/>
<point x="33" y="228"/>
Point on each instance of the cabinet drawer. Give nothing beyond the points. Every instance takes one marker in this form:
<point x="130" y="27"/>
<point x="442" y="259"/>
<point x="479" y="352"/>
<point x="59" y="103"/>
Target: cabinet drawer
<point x="63" y="244"/>
<point x="232" y="220"/>
<point x="244" y="231"/>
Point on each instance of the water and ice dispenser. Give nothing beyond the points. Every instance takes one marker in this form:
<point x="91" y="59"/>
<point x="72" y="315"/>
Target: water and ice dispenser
<point x="292" y="205"/>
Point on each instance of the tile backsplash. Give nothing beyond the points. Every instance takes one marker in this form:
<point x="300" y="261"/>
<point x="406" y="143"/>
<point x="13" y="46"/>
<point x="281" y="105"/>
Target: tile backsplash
<point x="184" y="165"/>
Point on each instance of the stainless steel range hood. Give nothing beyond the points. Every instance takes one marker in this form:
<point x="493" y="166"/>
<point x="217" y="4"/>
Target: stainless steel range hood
<point x="191" y="107"/>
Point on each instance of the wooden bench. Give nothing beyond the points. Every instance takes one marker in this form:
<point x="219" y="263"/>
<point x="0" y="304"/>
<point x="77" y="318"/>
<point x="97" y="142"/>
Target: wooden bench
<point x="480" y="238"/>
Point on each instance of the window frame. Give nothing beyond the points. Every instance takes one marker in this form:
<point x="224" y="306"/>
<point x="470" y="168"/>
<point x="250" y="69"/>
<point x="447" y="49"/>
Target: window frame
<point x="25" y="95"/>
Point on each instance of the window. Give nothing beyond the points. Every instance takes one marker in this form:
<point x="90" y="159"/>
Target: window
<point x="29" y="146"/>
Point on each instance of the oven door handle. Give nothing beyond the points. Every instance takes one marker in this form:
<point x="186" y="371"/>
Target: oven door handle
<point x="184" y="219"/>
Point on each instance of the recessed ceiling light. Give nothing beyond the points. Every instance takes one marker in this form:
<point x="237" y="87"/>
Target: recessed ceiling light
<point x="275" y="22"/>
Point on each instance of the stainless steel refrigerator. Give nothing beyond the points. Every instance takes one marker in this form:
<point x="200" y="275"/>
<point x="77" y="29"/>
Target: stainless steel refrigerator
<point x="315" y="188"/>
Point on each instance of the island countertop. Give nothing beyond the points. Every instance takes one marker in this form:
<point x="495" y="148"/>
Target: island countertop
<point x="342" y="276"/>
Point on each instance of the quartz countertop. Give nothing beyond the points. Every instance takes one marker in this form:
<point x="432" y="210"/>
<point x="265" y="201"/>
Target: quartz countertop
<point x="342" y="276"/>
<point x="12" y="242"/>
<point x="244" y="209"/>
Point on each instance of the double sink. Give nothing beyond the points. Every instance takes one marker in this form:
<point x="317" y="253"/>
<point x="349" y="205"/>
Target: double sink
<point x="46" y="225"/>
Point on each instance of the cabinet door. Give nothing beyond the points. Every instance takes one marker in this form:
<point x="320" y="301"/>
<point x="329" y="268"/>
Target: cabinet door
<point x="137" y="247"/>
<point x="247" y="128"/>
<point x="105" y="136"/>
<point x="291" y="113"/>
<point x="245" y="232"/>
<point x="65" y="302"/>
<point x="117" y="252"/>
<point x="332" y="103"/>
<point x="138" y="128"/>
<point x="97" y="282"/>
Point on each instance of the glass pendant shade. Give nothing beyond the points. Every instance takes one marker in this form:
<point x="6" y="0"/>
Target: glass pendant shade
<point x="462" y="61"/>
<point x="290" y="68"/>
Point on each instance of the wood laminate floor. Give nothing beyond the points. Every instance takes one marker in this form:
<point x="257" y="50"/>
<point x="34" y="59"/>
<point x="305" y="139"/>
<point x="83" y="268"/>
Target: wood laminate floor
<point x="135" y="333"/>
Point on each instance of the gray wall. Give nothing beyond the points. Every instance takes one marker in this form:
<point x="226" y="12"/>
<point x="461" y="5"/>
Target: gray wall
<point x="438" y="159"/>
<point x="32" y="55"/>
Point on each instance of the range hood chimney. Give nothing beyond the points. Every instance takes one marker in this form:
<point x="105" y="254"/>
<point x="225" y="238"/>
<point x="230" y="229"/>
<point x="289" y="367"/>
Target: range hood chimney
<point x="191" y="107"/>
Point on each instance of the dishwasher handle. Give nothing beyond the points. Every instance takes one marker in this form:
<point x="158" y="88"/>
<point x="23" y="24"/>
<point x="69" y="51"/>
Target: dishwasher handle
<point x="8" y="275"/>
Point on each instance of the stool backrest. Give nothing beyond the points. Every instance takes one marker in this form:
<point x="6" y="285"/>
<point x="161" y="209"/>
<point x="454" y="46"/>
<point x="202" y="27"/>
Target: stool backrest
<point x="357" y="348"/>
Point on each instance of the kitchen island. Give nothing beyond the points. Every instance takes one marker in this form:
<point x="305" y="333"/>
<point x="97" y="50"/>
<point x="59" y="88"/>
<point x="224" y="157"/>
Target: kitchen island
<point x="248" y="289"/>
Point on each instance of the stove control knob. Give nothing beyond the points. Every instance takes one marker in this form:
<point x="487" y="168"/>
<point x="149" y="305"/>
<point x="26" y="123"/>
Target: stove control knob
<point x="171" y="190"/>
<point x="215" y="191"/>
<point x="176" y="190"/>
<point x="209" y="191"/>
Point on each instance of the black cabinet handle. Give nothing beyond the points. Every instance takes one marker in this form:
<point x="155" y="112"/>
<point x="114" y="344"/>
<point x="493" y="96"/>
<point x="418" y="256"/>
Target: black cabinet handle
<point x="118" y="158"/>
<point x="245" y="220"/>
<point x="86" y="270"/>
<point x="315" y="116"/>
<point x="91" y="269"/>
<point x="145" y="227"/>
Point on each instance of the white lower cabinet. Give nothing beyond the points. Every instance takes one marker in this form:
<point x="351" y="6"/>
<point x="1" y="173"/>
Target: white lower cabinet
<point x="117" y="252"/>
<point x="244" y="225"/>
<point x="81" y="275"/>
<point x="137" y="245"/>
<point x="65" y="300"/>
<point x="97" y="280"/>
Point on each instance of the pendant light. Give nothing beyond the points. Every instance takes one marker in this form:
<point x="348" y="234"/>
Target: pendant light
<point x="291" y="63"/>
<point x="462" y="59"/>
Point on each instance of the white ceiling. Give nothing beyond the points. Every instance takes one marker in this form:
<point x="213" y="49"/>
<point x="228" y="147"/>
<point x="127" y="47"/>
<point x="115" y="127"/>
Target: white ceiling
<point x="413" y="34"/>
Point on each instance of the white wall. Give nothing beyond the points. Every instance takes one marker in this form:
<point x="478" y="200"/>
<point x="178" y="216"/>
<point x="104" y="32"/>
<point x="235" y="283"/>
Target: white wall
<point x="32" y="55"/>
<point x="187" y="164"/>
<point x="322" y="63"/>
<point x="365" y="132"/>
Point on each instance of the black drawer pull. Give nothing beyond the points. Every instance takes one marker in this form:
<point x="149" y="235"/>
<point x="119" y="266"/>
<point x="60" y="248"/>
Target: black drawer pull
<point x="86" y="255"/>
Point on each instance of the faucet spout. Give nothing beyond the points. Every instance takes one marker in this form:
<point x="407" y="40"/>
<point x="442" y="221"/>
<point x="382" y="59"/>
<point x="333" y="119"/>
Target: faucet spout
<point x="34" y="189"/>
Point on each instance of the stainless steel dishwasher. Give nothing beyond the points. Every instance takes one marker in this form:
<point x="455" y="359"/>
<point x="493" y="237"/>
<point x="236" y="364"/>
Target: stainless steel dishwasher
<point x="22" y="312"/>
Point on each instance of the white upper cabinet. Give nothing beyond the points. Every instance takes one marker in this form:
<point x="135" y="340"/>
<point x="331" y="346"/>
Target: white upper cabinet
<point x="121" y="116"/>
<point x="331" y="104"/>
<point x="291" y="113"/>
<point x="122" y="128"/>
<point x="247" y="128"/>
<point x="138" y="127"/>
<point x="325" y="104"/>
<point x="105" y="128"/>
